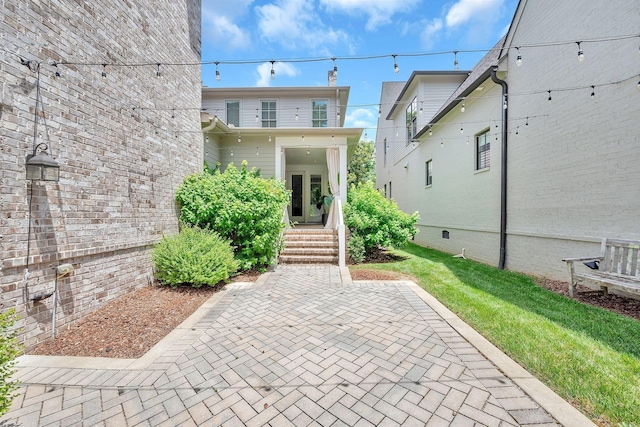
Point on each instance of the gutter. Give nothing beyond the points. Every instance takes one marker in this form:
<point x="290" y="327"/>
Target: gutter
<point x="503" y="169"/>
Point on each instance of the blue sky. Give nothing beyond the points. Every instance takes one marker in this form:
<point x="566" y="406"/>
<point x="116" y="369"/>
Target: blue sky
<point x="293" y="30"/>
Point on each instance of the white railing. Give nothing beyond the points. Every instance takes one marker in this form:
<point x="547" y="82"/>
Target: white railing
<point x="341" y="235"/>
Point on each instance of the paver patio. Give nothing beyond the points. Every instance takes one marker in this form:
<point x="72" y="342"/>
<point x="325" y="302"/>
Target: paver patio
<point x="298" y="347"/>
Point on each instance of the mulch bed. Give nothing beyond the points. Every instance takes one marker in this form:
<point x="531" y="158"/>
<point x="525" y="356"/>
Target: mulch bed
<point x="130" y="325"/>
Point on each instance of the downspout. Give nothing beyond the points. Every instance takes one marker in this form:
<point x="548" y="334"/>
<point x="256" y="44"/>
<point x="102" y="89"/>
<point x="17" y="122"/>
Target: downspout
<point x="503" y="170"/>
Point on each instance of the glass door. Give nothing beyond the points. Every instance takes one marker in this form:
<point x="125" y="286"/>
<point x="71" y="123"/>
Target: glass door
<point x="295" y="183"/>
<point x="316" y="208"/>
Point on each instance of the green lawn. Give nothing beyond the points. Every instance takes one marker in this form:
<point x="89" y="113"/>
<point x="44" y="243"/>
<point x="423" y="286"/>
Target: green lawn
<point x="589" y="356"/>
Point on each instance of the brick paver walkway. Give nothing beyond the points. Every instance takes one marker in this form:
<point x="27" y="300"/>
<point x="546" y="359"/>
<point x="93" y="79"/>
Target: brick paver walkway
<point x="296" y="348"/>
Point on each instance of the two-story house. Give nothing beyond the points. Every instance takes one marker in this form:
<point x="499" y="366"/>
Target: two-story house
<point x="296" y="134"/>
<point x="534" y="156"/>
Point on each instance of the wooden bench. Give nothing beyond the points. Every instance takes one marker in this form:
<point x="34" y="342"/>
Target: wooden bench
<point x="618" y="267"/>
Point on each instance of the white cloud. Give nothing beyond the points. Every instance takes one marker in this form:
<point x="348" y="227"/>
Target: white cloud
<point x="362" y="118"/>
<point x="430" y="32"/>
<point x="465" y="10"/>
<point x="218" y="24"/>
<point x="280" y="68"/>
<point x="295" y="24"/>
<point x="380" y="12"/>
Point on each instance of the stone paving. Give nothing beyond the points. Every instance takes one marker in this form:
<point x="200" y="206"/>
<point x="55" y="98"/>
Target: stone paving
<point x="296" y="348"/>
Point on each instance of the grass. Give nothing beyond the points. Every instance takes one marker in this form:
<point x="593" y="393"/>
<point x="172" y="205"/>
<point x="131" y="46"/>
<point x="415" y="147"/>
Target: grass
<point x="589" y="356"/>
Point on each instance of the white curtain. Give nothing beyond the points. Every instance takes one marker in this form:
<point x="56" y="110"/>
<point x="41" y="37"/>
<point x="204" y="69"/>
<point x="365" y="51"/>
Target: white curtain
<point x="333" y="164"/>
<point x="283" y="176"/>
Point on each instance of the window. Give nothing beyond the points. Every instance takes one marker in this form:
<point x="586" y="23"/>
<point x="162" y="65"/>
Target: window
<point x="319" y="113"/>
<point x="233" y="113"/>
<point x="385" y="151"/>
<point x="483" y="152"/>
<point x="385" y="190"/>
<point x="268" y="114"/>
<point x="412" y="119"/>
<point x="428" y="173"/>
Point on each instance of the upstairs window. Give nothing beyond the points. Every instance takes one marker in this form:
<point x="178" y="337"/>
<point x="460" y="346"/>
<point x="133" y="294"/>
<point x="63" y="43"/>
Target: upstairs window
<point x="233" y="113"/>
<point x="268" y="114"/>
<point x="319" y="114"/>
<point x="412" y="119"/>
<point x="483" y="150"/>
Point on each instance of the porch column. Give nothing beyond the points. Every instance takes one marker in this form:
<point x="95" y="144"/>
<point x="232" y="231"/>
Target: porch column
<point x="343" y="173"/>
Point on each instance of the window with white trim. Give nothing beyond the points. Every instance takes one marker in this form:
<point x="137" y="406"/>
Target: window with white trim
<point x="269" y="114"/>
<point x="428" y="173"/>
<point x="412" y="119"/>
<point x="233" y="113"/>
<point x="319" y="113"/>
<point x="483" y="150"/>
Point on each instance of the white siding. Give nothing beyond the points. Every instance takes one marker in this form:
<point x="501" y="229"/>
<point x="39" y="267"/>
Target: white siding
<point x="246" y="150"/>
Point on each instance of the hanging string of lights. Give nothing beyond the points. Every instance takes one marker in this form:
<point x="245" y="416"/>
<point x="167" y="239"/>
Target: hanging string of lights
<point x="158" y="66"/>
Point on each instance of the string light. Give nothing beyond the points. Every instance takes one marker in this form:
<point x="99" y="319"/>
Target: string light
<point x="217" y="71"/>
<point x="158" y="73"/>
<point x="239" y="138"/>
<point x="57" y="70"/>
<point x="461" y="128"/>
<point x="104" y="71"/>
<point x="549" y="99"/>
<point x="257" y="119"/>
<point x="455" y="60"/>
<point x="504" y="104"/>
<point x="527" y="123"/>
<point x="519" y="58"/>
<point x="308" y="151"/>
<point x="257" y="151"/>
<point x="303" y="137"/>
<point x="273" y="72"/>
<point x="430" y="132"/>
<point x="231" y="151"/>
<point x="333" y="135"/>
<point x="421" y="107"/>
<point x="462" y="109"/>
<point x="593" y="92"/>
<point x="269" y="136"/>
<point x="335" y="67"/>
<point x="580" y="52"/>
<point x="173" y="113"/>
<point x="396" y="69"/>
<point x="379" y="110"/>
<point x="297" y="109"/>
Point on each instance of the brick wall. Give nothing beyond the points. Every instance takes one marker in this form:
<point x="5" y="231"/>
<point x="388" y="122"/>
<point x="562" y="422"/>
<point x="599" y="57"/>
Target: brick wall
<point x="119" y="166"/>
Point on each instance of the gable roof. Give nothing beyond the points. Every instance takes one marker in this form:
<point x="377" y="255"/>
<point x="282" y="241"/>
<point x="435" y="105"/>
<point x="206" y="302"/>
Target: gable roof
<point x="417" y="74"/>
<point x="479" y="73"/>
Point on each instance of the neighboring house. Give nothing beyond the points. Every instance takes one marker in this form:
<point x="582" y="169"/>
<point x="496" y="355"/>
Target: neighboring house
<point x="123" y="141"/>
<point x="569" y="143"/>
<point x="288" y="133"/>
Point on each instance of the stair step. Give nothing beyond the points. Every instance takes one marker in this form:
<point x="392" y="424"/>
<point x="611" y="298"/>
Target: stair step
<point x="302" y="259"/>
<point x="310" y="244"/>
<point x="310" y="251"/>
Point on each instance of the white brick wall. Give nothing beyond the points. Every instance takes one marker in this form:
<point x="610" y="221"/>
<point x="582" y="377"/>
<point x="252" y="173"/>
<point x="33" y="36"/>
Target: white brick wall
<point x="118" y="173"/>
<point x="573" y="173"/>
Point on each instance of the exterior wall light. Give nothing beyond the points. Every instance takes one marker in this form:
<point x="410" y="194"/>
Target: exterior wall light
<point x="40" y="166"/>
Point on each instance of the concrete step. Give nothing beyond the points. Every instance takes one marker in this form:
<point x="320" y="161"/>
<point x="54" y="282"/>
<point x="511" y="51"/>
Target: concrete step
<point x="311" y="244"/>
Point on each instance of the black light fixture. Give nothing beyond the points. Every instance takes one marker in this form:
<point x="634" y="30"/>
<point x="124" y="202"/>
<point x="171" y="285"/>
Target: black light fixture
<point x="41" y="166"/>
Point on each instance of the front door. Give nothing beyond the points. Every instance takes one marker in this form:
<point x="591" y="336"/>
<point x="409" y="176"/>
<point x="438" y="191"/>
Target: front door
<point x="306" y="197"/>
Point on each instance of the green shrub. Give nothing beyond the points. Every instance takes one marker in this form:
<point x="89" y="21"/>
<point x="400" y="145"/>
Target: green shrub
<point x="377" y="221"/>
<point x="355" y="247"/>
<point x="195" y="256"/>
<point x="241" y="206"/>
<point x="9" y="350"/>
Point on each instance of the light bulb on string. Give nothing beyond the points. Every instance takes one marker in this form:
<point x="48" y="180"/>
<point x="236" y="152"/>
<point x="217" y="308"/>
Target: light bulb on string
<point x="257" y="151"/>
<point x="269" y="136"/>
<point x="297" y="108"/>
<point x="57" y="70"/>
<point x="430" y="132"/>
<point x="580" y="52"/>
<point x="519" y="58"/>
<point x="379" y="111"/>
<point x="455" y="60"/>
<point x="231" y="151"/>
<point x="335" y="67"/>
<point x="257" y="119"/>
<point x="593" y="92"/>
<point x="104" y="71"/>
<point x="421" y="107"/>
<point x="309" y="150"/>
<point x="396" y="69"/>
<point x="504" y="104"/>
<point x="333" y="135"/>
<point x="462" y="109"/>
<point x="527" y="122"/>
<point x="549" y="99"/>
<point x="217" y="71"/>
<point x="273" y="72"/>
<point x="158" y="73"/>
<point x="239" y="138"/>
<point x="461" y="128"/>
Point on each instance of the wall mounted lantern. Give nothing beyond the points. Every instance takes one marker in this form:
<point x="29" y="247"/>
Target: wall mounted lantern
<point x="41" y="166"/>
